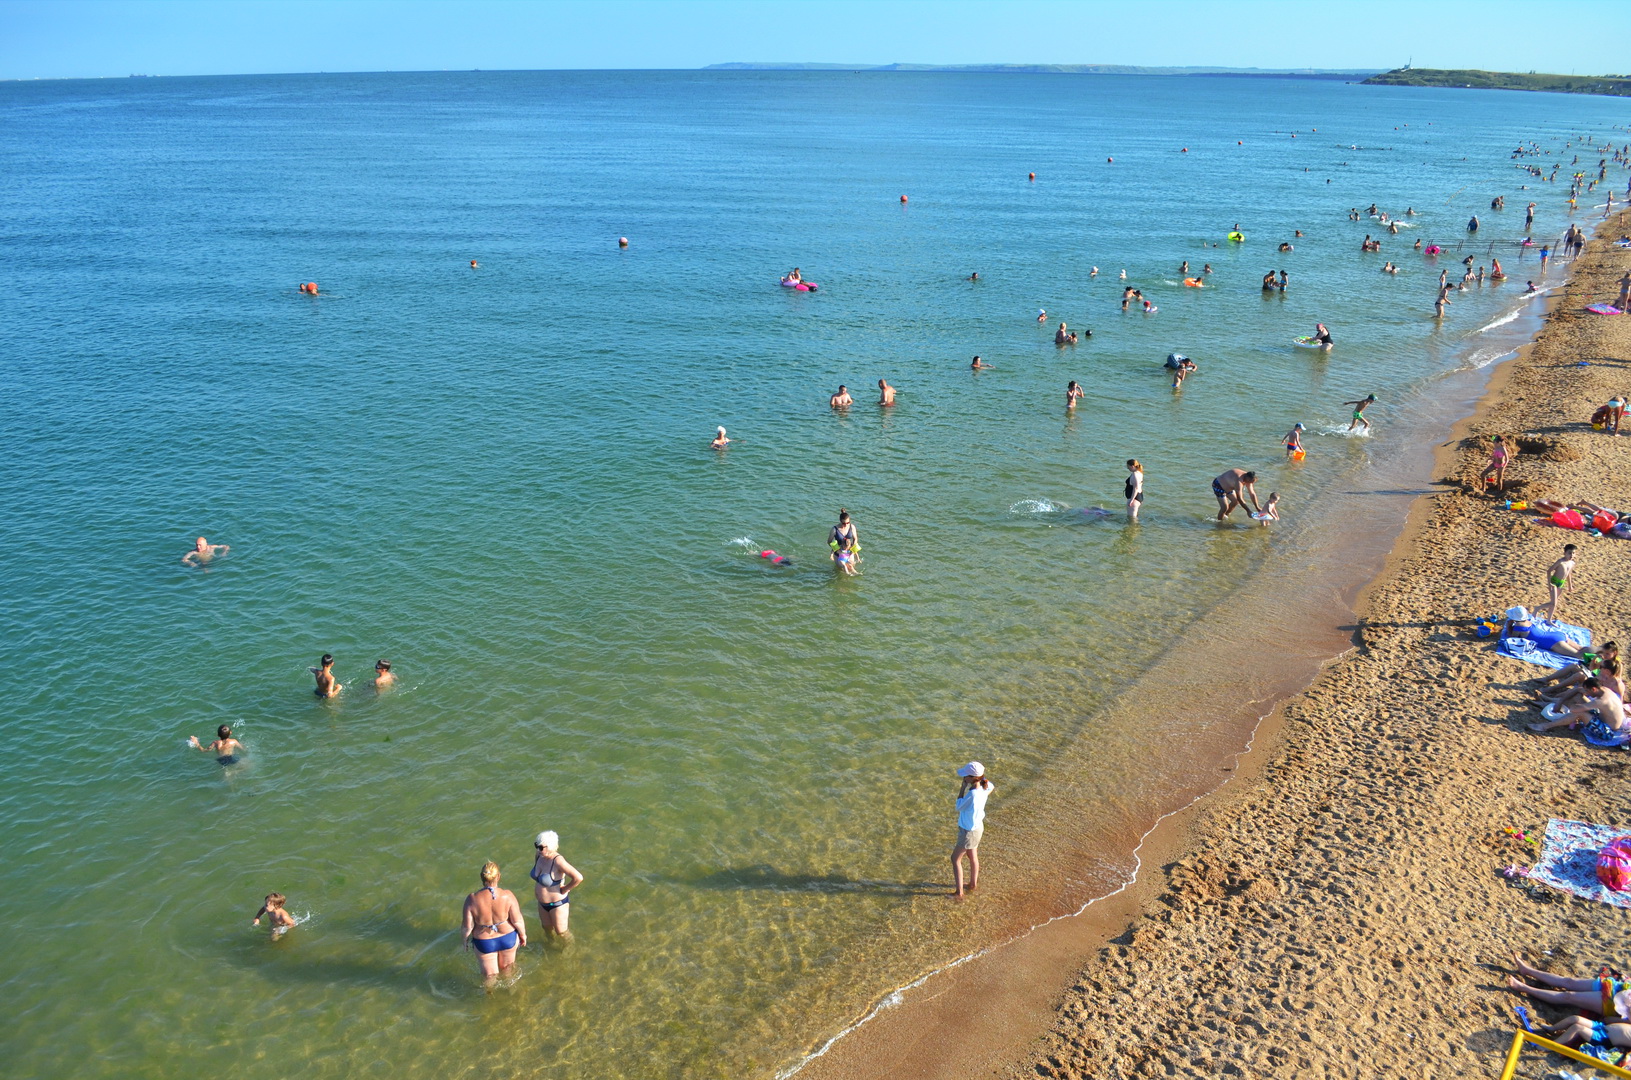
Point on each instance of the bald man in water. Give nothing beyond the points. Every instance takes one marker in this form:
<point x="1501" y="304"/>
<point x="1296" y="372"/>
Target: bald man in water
<point x="203" y="551"/>
<point x="886" y="393"/>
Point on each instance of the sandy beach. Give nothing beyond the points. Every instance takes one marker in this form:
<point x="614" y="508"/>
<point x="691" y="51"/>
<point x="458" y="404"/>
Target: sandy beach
<point x="1338" y="909"/>
<point x="1345" y="915"/>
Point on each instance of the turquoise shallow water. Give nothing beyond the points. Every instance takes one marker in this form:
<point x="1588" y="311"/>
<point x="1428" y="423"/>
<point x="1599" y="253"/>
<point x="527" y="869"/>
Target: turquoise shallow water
<point x="499" y="479"/>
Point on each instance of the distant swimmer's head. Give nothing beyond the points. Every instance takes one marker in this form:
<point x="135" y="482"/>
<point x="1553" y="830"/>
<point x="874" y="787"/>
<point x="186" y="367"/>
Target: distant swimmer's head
<point x="382" y="665"/>
<point x="201" y="544"/>
<point x="548" y="840"/>
<point x="224" y="731"/>
<point x="489" y="872"/>
<point x="622" y="241"/>
<point x="328" y="660"/>
<point x="722" y="429"/>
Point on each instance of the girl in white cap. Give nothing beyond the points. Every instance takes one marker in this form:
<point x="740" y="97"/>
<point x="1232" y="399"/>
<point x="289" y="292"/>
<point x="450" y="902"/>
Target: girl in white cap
<point x="719" y="440"/>
<point x="556" y="878"/>
<point x="975" y="788"/>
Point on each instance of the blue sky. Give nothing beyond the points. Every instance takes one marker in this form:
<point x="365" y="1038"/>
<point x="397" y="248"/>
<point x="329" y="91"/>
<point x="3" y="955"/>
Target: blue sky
<point x="88" y="38"/>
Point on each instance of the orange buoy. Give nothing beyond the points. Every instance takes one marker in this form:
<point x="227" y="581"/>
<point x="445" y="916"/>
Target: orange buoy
<point x="903" y="198"/>
<point x="1033" y="176"/>
<point x="622" y="241"/>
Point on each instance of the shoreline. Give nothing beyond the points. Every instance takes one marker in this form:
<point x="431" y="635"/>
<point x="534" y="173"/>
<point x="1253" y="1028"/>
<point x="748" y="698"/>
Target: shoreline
<point x="1005" y="1007"/>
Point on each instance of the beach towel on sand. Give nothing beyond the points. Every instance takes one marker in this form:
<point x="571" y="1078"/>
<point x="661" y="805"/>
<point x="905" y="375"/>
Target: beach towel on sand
<point x="1523" y="649"/>
<point x="1568" y="860"/>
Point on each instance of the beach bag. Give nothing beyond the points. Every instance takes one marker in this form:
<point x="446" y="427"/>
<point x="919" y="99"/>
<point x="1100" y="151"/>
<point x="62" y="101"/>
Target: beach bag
<point x="1614" y="865"/>
<point x="1568" y="519"/>
<point x="1603" y="521"/>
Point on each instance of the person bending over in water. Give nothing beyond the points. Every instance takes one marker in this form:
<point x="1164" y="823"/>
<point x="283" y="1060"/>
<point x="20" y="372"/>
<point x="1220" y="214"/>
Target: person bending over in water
<point x="556" y="878"/>
<point x="225" y="746"/>
<point x="203" y="551"/>
<point x="1359" y="408"/>
<point x="382" y="675"/>
<point x="493" y="924"/>
<point x="886" y="393"/>
<point x="845" y="558"/>
<point x="275" y="913"/>
<point x="1232" y="489"/>
<point x="1072" y="394"/>
<point x="841" y="400"/>
<point x="1133" y="489"/>
<point x="327" y="685"/>
<point x="1322" y="336"/>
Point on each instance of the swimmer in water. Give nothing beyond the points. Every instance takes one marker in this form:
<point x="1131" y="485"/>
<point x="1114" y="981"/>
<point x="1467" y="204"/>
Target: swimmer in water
<point x="1207" y="269"/>
<point x="1094" y="273"/>
<point x="1530" y="289"/>
<point x="282" y="922"/>
<point x="382" y="675"/>
<point x="1359" y="408"/>
<point x="979" y="365"/>
<point x="1322" y="336"/>
<point x="203" y="551"/>
<point x="974" y="276"/>
<point x="1072" y="394"/>
<point x="474" y="265"/>
<point x="844" y="558"/>
<point x="1293" y="439"/>
<point x="1062" y="336"/>
<point x="327" y="685"/>
<point x="1149" y="308"/>
<point x="1287" y="247"/>
<point x="1184" y="269"/>
<point x="1041" y="314"/>
<point x="720" y="440"/>
<point x="841" y="400"/>
<point x="1495" y="270"/>
<point x="844" y="528"/>
<point x="225" y="747"/>
<point x="886" y="393"/>
<point x="1126" y="296"/>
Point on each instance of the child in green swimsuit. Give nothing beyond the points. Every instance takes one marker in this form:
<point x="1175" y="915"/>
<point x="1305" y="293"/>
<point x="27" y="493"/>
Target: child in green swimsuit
<point x="1557" y="580"/>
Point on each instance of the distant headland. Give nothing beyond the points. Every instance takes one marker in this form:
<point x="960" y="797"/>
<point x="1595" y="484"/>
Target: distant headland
<point x="1614" y="85"/>
<point x="1061" y="69"/>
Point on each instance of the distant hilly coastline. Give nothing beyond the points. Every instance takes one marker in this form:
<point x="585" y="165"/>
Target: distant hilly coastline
<point x="1061" y="69"/>
<point x="1613" y="85"/>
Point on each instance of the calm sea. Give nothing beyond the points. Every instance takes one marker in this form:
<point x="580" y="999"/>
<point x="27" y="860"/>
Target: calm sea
<point x="499" y="479"/>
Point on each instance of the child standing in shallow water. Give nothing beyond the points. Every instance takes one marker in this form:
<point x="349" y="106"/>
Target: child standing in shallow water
<point x="282" y="922"/>
<point x="1294" y="440"/>
<point x="844" y="557"/>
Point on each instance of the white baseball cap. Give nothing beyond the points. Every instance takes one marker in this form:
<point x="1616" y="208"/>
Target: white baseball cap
<point x="973" y="768"/>
<point x="1517" y="614"/>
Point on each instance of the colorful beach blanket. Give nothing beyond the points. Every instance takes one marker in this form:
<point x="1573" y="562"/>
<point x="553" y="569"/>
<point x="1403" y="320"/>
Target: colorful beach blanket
<point x="1523" y="649"/>
<point x="1568" y="860"/>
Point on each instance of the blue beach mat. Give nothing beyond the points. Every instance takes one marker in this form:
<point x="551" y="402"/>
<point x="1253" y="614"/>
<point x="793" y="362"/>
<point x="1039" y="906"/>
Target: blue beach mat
<point x="1568" y="860"/>
<point x="1523" y="649"/>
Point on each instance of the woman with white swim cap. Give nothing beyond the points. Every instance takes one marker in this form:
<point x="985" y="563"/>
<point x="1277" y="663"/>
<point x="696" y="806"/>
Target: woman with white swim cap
<point x="556" y="878"/>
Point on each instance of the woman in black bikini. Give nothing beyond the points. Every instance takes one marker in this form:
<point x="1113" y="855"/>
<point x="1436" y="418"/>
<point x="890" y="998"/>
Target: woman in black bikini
<point x="556" y="878"/>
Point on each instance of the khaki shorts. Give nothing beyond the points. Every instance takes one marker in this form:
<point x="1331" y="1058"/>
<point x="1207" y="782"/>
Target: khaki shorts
<point x="968" y="839"/>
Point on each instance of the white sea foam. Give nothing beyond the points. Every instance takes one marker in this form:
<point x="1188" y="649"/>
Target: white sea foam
<point x="1502" y="321"/>
<point x="741" y="542"/>
<point x="1037" y="506"/>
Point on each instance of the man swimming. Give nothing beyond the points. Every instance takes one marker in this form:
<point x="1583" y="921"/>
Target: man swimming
<point x="979" y="365"/>
<point x="203" y="551"/>
<point x="225" y="747"/>
<point x="841" y="400"/>
<point x="327" y="685"/>
<point x="1232" y="488"/>
<point x="382" y="674"/>
<point x="886" y="393"/>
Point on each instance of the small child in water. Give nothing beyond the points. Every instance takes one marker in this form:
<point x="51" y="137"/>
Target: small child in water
<point x="282" y="922"/>
<point x="844" y="558"/>
<point x="1270" y="511"/>
<point x="225" y="746"/>
<point x="1294" y="439"/>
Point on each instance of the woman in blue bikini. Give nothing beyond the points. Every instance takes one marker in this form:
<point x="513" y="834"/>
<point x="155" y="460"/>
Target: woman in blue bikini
<point x="556" y="878"/>
<point x="492" y="923"/>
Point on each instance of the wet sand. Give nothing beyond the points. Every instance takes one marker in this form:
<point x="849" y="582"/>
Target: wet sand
<point x="1337" y="911"/>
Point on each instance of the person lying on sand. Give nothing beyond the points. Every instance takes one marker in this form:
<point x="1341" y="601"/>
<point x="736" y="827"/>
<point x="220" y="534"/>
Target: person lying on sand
<point x="1519" y="624"/>
<point x="1609" y="998"/>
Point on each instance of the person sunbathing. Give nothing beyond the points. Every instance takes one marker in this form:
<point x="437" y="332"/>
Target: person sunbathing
<point x="1577" y="1031"/>
<point x="1568" y="677"/>
<point x="1519" y="624"/>
<point x="1607" y="997"/>
<point x="1588" y="509"/>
